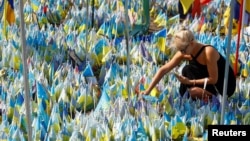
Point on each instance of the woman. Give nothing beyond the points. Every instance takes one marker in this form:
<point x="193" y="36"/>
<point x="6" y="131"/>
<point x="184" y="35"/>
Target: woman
<point x="206" y="65"/>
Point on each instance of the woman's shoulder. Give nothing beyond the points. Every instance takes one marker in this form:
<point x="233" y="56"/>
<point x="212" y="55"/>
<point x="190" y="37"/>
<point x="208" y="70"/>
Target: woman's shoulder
<point x="180" y="56"/>
<point x="212" y="52"/>
<point x="209" y="48"/>
<point x="207" y="45"/>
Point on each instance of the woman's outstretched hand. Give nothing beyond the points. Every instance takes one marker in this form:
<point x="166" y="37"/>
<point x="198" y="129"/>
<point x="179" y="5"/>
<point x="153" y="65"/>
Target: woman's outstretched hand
<point x="137" y="87"/>
<point x="143" y="93"/>
<point x="140" y="95"/>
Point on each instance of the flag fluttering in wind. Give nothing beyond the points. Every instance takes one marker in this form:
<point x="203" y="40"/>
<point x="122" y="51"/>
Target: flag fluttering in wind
<point x="160" y="39"/>
<point x="161" y="20"/>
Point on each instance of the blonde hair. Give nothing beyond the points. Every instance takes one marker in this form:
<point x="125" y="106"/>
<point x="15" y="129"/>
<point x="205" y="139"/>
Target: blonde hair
<point x="184" y="35"/>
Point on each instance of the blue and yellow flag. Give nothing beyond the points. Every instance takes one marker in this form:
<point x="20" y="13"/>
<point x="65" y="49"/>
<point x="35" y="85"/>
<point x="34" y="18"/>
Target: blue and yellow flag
<point x="161" y="19"/>
<point x="41" y="92"/>
<point x="236" y="16"/>
<point x="104" y="102"/>
<point x="160" y="39"/>
<point x="247" y="6"/>
<point x="101" y="48"/>
<point x="237" y="9"/>
<point x="9" y="11"/>
<point x="88" y="72"/>
<point x="102" y="30"/>
<point x="35" y="5"/>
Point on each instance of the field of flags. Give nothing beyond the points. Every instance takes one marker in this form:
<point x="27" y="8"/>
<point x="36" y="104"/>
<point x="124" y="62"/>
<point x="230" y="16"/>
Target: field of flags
<point x="81" y="86"/>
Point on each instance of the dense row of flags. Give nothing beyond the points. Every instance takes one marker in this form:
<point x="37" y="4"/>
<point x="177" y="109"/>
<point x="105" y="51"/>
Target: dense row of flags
<point x="7" y="8"/>
<point x="192" y="7"/>
<point x="66" y="103"/>
<point x="63" y="105"/>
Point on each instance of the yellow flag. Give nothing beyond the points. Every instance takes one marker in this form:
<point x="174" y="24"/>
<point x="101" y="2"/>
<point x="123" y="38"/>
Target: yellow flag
<point x="82" y="28"/>
<point x="155" y="92"/>
<point x="9" y="11"/>
<point x="247" y="5"/>
<point x="161" y="44"/>
<point x="186" y="5"/>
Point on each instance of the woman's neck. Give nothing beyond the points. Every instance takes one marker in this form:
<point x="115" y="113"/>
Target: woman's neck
<point x="196" y="47"/>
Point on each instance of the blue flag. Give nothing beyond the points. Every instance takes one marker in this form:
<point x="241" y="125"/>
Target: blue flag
<point x="88" y="72"/>
<point x="41" y="92"/>
<point x="104" y="102"/>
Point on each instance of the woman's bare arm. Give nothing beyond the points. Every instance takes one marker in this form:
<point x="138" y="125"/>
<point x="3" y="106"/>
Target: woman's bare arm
<point x="177" y="58"/>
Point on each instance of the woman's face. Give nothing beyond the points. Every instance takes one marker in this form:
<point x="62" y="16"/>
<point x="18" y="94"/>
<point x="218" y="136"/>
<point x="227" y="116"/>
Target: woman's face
<point x="181" y="46"/>
<point x="182" y="41"/>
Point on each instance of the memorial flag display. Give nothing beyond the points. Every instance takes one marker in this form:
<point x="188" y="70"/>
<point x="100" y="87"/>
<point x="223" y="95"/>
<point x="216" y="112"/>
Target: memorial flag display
<point x="78" y="60"/>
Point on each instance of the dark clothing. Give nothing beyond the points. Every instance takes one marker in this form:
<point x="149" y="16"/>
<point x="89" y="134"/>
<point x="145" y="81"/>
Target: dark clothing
<point x="195" y="70"/>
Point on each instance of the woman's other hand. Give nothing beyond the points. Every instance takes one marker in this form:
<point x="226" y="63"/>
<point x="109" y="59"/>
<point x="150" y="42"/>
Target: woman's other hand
<point x="183" y="79"/>
<point x="140" y="96"/>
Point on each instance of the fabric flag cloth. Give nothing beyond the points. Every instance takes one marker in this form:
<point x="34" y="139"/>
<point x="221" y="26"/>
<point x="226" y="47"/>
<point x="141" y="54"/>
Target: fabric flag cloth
<point x="145" y="53"/>
<point x="104" y="102"/>
<point x="88" y="72"/>
<point x="101" y="48"/>
<point x="196" y="9"/>
<point x="82" y="27"/>
<point x="247" y="5"/>
<point x="237" y="11"/>
<point x="41" y="91"/>
<point x="35" y="5"/>
<point x="9" y="9"/>
<point x="204" y="2"/>
<point x="102" y="30"/>
<point x="160" y="19"/>
<point x="160" y="38"/>
<point x="186" y="4"/>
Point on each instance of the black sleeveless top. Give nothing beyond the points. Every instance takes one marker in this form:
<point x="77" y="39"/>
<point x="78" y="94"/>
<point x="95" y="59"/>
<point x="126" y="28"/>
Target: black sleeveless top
<point x="221" y="73"/>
